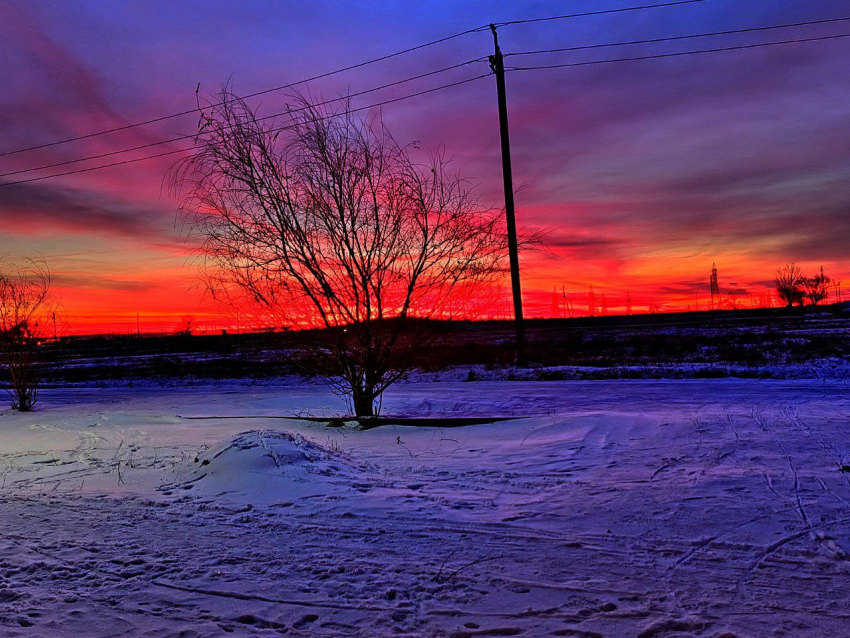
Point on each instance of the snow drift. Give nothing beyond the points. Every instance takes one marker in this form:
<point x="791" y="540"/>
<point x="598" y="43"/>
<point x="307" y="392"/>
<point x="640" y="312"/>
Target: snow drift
<point x="264" y="466"/>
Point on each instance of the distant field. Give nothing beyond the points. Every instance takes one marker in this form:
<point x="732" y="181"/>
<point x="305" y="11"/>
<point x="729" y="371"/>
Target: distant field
<point x="770" y="343"/>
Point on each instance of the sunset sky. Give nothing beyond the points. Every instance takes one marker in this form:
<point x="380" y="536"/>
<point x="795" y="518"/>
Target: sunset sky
<point x="642" y="173"/>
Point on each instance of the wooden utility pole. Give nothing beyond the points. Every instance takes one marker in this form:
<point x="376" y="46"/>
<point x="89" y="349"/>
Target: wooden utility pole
<point x="497" y="63"/>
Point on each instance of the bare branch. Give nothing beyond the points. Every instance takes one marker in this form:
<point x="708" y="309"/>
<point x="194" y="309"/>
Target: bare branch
<point x="24" y="297"/>
<point x="332" y="223"/>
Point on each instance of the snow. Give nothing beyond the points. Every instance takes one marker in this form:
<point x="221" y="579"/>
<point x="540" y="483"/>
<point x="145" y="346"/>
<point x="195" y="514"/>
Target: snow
<point x="605" y="508"/>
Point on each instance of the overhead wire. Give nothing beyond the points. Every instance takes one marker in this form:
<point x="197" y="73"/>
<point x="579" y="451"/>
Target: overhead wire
<point x="344" y="69"/>
<point x="440" y="87"/>
<point x="190" y="148"/>
<point x="585" y="47"/>
<point x="599" y="12"/>
<point x="180" y="138"/>
<point x="282" y="87"/>
<point x="657" y="56"/>
<point x="465" y="81"/>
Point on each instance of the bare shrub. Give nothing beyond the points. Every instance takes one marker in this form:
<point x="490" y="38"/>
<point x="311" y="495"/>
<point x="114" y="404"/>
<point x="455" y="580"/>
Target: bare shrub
<point x="24" y="295"/>
<point x="817" y="288"/>
<point x="329" y="222"/>
<point x="188" y="324"/>
<point x="789" y="282"/>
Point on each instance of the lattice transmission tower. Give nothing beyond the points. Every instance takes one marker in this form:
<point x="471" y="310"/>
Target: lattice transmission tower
<point x="715" y="288"/>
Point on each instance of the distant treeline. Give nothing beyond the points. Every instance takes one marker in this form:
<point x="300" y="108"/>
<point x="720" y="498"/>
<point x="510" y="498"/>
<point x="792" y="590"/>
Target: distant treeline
<point x="748" y="338"/>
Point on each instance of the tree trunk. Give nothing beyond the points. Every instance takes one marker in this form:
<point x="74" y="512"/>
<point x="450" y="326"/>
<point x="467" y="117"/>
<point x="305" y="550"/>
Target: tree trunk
<point x="364" y="404"/>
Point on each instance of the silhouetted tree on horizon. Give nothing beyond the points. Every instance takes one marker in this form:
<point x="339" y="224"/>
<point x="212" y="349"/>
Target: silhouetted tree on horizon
<point x="817" y="287"/>
<point x="188" y="324"/>
<point x="331" y="218"/>
<point x="24" y="295"/>
<point x="789" y="282"/>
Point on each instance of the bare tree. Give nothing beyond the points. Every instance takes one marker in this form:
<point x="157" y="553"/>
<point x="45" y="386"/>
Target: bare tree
<point x="789" y="282"/>
<point x="331" y="221"/>
<point x="24" y="295"/>
<point x="187" y="325"/>
<point x="817" y="287"/>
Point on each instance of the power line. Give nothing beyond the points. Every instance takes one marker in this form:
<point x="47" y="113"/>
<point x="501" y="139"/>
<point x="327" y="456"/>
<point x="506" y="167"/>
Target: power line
<point x="442" y="70"/>
<point x="189" y="148"/>
<point x="321" y="76"/>
<point x="680" y="37"/>
<point x="351" y="67"/>
<point x="441" y="87"/>
<point x="181" y="138"/>
<point x="96" y="168"/>
<point x="444" y="86"/>
<point x="678" y="53"/>
<point x="597" y="13"/>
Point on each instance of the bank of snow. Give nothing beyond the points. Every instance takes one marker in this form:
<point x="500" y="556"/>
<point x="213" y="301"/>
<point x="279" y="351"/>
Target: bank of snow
<point x="264" y="466"/>
<point x="654" y="509"/>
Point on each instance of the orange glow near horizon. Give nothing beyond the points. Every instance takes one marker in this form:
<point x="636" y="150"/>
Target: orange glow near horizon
<point x="119" y="286"/>
<point x="161" y="310"/>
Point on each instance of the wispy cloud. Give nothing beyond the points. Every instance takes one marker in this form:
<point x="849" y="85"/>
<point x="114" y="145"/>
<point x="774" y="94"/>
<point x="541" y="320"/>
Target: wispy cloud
<point x="42" y="207"/>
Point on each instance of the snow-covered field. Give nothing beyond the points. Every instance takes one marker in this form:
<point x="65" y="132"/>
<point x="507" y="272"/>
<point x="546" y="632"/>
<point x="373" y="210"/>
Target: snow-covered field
<point x="713" y="508"/>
